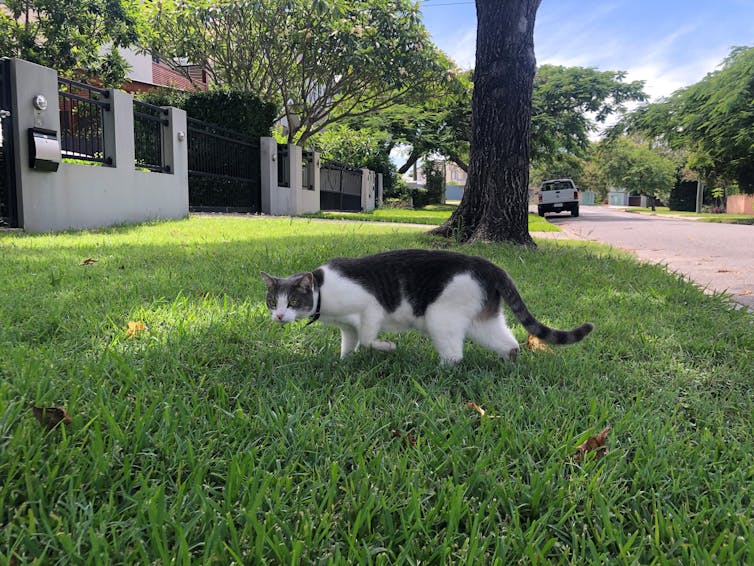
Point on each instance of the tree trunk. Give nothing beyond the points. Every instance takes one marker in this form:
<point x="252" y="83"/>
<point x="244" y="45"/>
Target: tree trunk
<point x="495" y="202"/>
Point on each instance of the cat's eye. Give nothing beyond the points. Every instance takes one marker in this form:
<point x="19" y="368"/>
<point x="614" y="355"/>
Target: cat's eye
<point x="293" y="303"/>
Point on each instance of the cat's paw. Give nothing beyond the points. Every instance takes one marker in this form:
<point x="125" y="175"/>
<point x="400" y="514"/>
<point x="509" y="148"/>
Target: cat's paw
<point x="512" y="355"/>
<point x="383" y="345"/>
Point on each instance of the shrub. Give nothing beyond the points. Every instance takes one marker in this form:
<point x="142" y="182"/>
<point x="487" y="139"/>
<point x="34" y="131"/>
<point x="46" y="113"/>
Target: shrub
<point x="243" y="112"/>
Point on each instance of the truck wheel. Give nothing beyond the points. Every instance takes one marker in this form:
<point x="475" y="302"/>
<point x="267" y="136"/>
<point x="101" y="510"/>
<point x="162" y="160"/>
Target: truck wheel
<point x="541" y="212"/>
<point x="575" y="211"/>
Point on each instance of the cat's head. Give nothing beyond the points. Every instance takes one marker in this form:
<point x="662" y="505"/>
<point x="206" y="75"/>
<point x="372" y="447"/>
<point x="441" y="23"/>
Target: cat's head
<point x="290" y="298"/>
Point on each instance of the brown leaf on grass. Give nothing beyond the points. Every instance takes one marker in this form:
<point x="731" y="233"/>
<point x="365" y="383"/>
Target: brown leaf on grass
<point x="481" y="411"/>
<point x="476" y="407"/>
<point x="88" y="261"/>
<point x="407" y="438"/>
<point x="534" y="344"/>
<point x="50" y="417"/>
<point x="135" y="327"/>
<point x="596" y="444"/>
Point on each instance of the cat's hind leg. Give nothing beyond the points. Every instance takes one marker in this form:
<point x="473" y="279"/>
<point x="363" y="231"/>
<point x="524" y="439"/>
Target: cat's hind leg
<point x="493" y="333"/>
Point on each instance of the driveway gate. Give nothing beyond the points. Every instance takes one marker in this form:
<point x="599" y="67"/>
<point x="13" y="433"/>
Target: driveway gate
<point x="224" y="170"/>
<point x="339" y="187"/>
<point x="8" y="207"/>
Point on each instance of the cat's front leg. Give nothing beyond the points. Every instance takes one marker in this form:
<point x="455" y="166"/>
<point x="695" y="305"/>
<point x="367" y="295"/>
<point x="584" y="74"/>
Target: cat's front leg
<point x="349" y="340"/>
<point x="370" y="326"/>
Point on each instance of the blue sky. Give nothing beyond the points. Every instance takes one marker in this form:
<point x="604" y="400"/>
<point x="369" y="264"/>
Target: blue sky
<point x="668" y="44"/>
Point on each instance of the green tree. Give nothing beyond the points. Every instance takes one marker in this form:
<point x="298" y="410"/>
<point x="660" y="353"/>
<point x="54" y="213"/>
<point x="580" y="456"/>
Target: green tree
<point x="638" y="168"/>
<point x="439" y="123"/>
<point x="71" y="36"/>
<point x="321" y="62"/>
<point x="712" y="119"/>
<point x="568" y="104"/>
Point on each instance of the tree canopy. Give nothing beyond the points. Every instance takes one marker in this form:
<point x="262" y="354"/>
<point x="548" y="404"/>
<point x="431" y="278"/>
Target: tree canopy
<point x="712" y="119"/>
<point x="568" y="103"/>
<point x="69" y="36"/>
<point x="321" y="62"/>
<point x="637" y="167"/>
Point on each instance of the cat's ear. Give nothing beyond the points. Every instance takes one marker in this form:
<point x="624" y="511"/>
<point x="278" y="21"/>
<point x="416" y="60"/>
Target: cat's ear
<point x="306" y="283"/>
<point x="269" y="280"/>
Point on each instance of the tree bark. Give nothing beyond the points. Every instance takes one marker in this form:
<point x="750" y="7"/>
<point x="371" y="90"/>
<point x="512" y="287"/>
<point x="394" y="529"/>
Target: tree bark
<point x="495" y="202"/>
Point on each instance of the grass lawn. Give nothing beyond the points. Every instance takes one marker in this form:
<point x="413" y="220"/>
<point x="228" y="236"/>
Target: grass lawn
<point x="214" y="436"/>
<point x="431" y="214"/>
<point x="703" y="216"/>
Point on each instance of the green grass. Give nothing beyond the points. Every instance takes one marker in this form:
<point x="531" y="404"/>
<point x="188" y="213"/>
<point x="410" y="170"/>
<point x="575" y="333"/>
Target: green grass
<point x="218" y="437"/>
<point x="703" y="216"/>
<point x="434" y="214"/>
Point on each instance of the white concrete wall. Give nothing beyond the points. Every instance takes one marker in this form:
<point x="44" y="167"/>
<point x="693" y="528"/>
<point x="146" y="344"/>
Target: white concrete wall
<point x="367" y="190"/>
<point x="285" y="201"/>
<point x="83" y="196"/>
<point x="276" y="200"/>
<point x="307" y="200"/>
<point x="141" y="65"/>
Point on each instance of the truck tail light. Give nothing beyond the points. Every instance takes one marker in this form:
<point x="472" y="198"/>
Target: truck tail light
<point x="540" y="197"/>
<point x="575" y="195"/>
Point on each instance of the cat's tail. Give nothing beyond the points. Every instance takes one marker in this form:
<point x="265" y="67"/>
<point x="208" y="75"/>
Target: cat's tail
<point x="511" y="296"/>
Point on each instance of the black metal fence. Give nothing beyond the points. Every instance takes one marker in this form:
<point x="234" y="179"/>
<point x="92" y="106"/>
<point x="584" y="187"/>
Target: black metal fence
<point x="149" y="124"/>
<point x="8" y="209"/>
<point x="284" y="170"/>
<point x="307" y="170"/>
<point x="340" y="187"/>
<point x="82" y="109"/>
<point x="224" y="169"/>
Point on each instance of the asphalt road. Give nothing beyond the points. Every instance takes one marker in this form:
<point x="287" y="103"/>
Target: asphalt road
<point x="717" y="257"/>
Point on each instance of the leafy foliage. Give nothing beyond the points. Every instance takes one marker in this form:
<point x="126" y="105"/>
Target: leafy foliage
<point x="320" y="62"/>
<point x="439" y="123"/>
<point x="563" y="100"/>
<point x="69" y="36"/>
<point x="637" y="167"/>
<point x="713" y="119"/>
<point x="360" y="148"/>
<point x="243" y="112"/>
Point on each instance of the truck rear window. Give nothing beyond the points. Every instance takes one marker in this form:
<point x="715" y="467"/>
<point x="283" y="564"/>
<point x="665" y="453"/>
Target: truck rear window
<point x="557" y="186"/>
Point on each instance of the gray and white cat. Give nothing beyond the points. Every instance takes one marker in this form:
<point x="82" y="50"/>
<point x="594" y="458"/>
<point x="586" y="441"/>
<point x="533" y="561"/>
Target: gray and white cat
<point x="447" y="295"/>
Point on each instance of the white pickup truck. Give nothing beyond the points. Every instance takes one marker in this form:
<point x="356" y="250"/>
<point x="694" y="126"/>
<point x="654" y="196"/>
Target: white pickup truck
<point x="557" y="195"/>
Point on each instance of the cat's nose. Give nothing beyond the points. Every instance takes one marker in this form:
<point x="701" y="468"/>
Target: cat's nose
<point x="280" y="315"/>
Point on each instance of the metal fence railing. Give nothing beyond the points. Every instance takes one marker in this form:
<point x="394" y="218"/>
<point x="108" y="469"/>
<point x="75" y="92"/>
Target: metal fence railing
<point x="149" y="121"/>
<point x="307" y="170"/>
<point x="284" y="170"/>
<point x="82" y="109"/>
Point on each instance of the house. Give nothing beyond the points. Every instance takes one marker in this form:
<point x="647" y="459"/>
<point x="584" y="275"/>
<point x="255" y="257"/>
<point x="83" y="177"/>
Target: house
<point x="148" y="72"/>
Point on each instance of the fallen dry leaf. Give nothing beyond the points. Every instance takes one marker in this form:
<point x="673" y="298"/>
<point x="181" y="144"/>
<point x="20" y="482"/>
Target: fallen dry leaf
<point x="476" y="407"/>
<point x="51" y="417"/>
<point x="481" y="411"/>
<point x="406" y="438"/>
<point x="596" y="444"/>
<point x="135" y="328"/>
<point x="88" y="261"/>
<point x="534" y="344"/>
